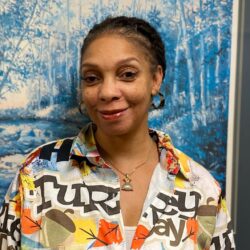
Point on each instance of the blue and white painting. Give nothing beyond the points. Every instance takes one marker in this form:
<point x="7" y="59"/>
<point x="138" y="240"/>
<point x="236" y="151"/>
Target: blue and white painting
<point x="40" y="42"/>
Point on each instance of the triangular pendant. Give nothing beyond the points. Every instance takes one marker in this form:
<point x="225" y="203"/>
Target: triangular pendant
<point x="127" y="184"/>
<point x="127" y="187"/>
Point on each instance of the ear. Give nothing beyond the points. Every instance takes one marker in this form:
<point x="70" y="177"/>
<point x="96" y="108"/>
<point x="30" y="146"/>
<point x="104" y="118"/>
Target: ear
<point x="157" y="80"/>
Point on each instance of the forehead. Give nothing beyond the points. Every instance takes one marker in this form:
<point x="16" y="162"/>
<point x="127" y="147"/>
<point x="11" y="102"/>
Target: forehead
<point x="110" y="47"/>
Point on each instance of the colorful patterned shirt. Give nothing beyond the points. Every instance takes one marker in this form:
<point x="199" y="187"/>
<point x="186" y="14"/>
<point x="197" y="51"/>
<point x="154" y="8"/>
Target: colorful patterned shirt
<point x="65" y="196"/>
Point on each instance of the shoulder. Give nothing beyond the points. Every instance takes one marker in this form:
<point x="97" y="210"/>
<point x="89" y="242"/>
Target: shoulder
<point x="58" y="150"/>
<point x="198" y="175"/>
<point x="190" y="173"/>
<point x="189" y="168"/>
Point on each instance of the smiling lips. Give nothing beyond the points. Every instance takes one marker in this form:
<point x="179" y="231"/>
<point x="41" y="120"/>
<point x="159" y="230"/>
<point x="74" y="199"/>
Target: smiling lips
<point x="112" y="114"/>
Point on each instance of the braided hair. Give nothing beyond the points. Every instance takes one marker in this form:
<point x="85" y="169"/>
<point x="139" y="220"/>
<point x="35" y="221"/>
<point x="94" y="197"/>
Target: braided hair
<point x="137" y="31"/>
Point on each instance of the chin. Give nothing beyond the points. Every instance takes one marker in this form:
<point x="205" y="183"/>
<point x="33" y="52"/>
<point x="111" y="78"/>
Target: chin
<point x="115" y="129"/>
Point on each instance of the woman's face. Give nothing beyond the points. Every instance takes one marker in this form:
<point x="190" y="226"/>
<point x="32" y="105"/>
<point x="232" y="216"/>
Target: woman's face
<point x="117" y="84"/>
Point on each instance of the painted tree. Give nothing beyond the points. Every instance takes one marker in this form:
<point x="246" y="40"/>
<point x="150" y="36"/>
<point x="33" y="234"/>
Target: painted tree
<point x="190" y="66"/>
<point x="15" y="21"/>
<point x="202" y="67"/>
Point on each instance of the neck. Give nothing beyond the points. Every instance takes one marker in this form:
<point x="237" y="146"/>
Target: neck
<point x="121" y="148"/>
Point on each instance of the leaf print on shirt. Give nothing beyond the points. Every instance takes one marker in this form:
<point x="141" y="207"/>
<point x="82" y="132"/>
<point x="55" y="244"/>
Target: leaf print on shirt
<point x="27" y="181"/>
<point x="108" y="233"/>
<point x="192" y="229"/>
<point x="141" y="234"/>
<point x="28" y="224"/>
<point x="85" y="229"/>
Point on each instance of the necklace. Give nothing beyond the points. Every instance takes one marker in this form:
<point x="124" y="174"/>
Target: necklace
<point x="127" y="185"/>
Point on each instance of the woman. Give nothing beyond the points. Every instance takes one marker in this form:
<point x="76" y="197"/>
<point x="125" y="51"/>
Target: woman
<point x="118" y="184"/>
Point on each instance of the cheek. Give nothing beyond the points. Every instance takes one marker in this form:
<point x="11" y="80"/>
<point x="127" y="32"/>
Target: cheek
<point x="88" y="97"/>
<point x="140" y="96"/>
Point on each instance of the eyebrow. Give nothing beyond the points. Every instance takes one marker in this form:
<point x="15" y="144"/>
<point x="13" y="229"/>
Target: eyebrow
<point x="121" y="62"/>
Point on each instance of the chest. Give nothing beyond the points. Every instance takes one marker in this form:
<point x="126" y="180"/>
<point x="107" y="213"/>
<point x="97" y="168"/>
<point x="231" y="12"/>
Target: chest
<point x="132" y="202"/>
<point x="95" y="206"/>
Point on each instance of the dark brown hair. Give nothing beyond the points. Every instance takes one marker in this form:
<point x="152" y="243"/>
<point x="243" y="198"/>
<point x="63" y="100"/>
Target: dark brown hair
<point x="136" y="30"/>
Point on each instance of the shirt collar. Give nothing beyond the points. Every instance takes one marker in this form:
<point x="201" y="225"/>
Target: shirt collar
<point x="84" y="145"/>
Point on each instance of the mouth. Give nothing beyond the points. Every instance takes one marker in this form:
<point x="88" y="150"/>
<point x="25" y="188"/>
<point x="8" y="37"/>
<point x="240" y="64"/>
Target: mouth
<point x="113" y="114"/>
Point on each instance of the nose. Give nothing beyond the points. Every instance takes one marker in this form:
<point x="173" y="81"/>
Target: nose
<point x="109" y="90"/>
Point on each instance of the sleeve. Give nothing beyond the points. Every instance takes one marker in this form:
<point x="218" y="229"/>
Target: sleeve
<point x="10" y="217"/>
<point x="223" y="237"/>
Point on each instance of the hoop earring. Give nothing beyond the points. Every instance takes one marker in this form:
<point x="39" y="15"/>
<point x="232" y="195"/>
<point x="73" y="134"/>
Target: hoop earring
<point x="160" y="103"/>
<point x="82" y="108"/>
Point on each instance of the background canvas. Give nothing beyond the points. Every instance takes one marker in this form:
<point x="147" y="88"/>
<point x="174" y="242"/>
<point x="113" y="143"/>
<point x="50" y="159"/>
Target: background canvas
<point x="40" y="42"/>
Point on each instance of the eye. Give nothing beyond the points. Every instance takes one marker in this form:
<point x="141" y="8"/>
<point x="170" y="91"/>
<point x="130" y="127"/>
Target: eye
<point x="128" y="75"/>
<point x="90" y="79"/>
